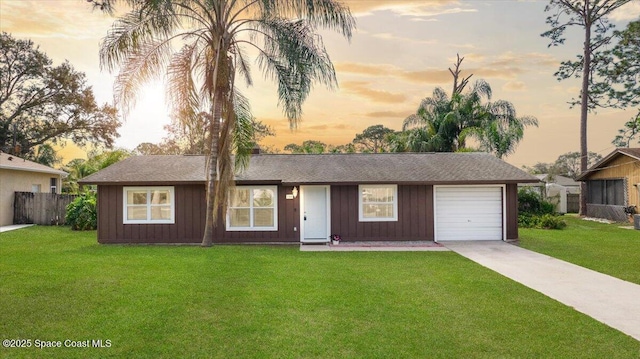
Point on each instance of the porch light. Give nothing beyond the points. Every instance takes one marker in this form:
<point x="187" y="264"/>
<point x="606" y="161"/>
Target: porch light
<point x="294" y="192"/>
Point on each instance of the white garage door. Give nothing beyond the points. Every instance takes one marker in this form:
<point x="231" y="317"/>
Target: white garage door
<point x="468" y="213"/>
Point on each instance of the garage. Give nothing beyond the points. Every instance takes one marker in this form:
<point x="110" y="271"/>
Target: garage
<point x="468" y="213"/>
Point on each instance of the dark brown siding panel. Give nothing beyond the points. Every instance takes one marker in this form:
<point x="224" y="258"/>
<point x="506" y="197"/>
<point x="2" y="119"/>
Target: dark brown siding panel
<point x="188" y="227"/>
<point x="415" y="215"/>
<point x="106" y="227"/>
<point x="512" y="211"/>
<point x="288" y="218"/>
<point x="430" y="224"/>
<point x="415" y="218"/>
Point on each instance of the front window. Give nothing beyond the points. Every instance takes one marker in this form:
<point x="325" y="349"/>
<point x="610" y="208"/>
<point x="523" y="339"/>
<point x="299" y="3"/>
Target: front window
<point x="609" y="192"/>
<point x="149" y="205"/>
<point x="253" y="208"/>
<point x="378" y="203"/>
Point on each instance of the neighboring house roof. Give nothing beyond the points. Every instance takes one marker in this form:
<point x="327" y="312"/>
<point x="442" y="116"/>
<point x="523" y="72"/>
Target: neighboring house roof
<point x="433" y="168"/>
<point x="633" y="153"/>
<point x="12" y="162"/>
<point x="558" y="179"/>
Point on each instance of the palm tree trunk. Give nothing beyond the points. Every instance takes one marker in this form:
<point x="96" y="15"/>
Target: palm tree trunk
<point x="212" y="161"/>
<point x="584" y="110"/>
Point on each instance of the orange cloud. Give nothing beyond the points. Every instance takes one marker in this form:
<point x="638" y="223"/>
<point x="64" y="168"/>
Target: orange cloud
<point x="416" y="8"/>
<point x="392" y="37"/>
<point x="510" y="59"/>
<point x="429" y="76"/>
<point x="360" y="88"/>
<point x="365" y="69"/>
<point x="74" y="19"/>
<point x="514" y="86"/>
<point x="388" y="114"/>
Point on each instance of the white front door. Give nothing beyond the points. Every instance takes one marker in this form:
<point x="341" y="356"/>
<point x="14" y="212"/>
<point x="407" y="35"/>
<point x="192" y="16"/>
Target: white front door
<point x="314" y="213"/>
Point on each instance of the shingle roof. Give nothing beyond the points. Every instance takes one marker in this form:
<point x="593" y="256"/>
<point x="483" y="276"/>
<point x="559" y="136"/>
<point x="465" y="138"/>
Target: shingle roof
<point x="631" y="152"/>
<point x="152" y="170"/>
<point x="435" y="168"/>
<point x="12" y="162"/>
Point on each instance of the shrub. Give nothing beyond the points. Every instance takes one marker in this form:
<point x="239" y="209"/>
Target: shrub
<point x="550" y="221"/>
<point x="531" y="202"/>
<point x="82" y="214"/>
<point x="534" y="212"/>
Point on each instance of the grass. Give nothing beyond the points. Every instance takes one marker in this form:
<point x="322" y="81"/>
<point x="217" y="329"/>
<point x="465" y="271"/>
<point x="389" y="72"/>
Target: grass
<point x="605" y="248"/>
<point x="277" y="302"/>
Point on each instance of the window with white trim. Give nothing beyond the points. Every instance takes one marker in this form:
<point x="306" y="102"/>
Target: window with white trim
<point x="378" y="203"/>
<point x="253" y="208"/>
<point x="53" y="185"/>
<point x="149" y="205"/>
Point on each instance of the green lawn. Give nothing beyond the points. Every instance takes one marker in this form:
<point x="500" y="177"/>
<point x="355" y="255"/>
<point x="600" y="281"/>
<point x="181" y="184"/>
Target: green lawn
<point x="277" y="302"/>
<point x="605" y="248"/>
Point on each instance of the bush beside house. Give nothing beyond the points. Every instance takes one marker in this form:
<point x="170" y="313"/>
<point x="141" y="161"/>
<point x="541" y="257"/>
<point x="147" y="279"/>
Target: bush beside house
<point x="534" y="212"/>
<point x="82" y="214"/>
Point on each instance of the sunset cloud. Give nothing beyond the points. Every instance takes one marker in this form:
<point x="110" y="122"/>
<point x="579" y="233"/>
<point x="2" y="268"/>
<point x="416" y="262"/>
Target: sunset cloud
<point x="48" y="19"/>
<point x="363" y="89"/>
<point x="419" y="10"/>
<point x="510" y="59"/>
<point x="514" y="86"/>
<point x="392" y="37"/>
<point x="388" y="114"/>
<point x="365" y="69"/>
<point x="507" y="66"/>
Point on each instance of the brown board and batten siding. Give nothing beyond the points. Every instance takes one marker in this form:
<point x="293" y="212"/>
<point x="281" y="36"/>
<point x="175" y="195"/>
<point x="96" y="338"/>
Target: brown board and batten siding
<point x="414" y="174"/>
<point x="190" y="209"/>
<point x="189" y="218"/>
<point x="415" y="216"/>
<point x="511" y="200"/>
<point x="288" y="219"/>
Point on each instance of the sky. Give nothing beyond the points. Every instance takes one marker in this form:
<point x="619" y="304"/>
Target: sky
<point x="399" y="54"/>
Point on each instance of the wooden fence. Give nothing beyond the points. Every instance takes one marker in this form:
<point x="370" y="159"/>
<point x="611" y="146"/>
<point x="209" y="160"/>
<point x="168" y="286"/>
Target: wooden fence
<point x="40" y="208"/>
<point x="573" y="202"/>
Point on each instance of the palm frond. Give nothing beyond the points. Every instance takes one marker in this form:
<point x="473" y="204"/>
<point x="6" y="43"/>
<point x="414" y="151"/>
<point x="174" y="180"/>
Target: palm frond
<point x="181" y="90"/>
<point x="244" y="134"/>
<point x="412" y="121"/>
<point x="296" y="58"/>
<point x="328" y="14"/>
<point x="133" y="31"/>
<point x="141" y="66"/>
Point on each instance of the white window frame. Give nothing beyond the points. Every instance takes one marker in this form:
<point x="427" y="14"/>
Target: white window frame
<point x="361" y="216"/>
<point x="251" y="208"/>
<point x="172" y="203"/>
<point x="53" y="188"/>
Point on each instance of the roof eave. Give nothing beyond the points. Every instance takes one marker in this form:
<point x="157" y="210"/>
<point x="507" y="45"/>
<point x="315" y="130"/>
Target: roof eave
<point x="52" y="171"/>
<point x="139" y="183"/>
<point x="585" y="175"/>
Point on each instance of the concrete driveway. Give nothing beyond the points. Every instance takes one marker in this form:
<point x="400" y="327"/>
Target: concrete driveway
<point x="609" y="300"/>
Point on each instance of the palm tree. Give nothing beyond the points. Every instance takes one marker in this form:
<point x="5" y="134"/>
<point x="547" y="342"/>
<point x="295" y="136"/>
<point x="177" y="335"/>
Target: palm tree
<point x="504" y="130"/>
<point x="443" y="123"/>
<point x="217" y="37"/>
